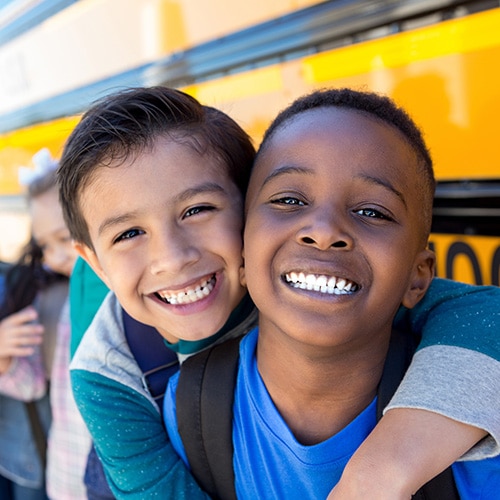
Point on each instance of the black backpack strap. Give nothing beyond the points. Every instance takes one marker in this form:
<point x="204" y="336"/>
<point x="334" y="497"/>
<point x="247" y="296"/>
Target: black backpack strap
<point x="401" y="349"/>
<point x="156" y="361"/>
<point x="442" y="487"/>
<point x="205" y="416"/>
<point x="399" y="355"/>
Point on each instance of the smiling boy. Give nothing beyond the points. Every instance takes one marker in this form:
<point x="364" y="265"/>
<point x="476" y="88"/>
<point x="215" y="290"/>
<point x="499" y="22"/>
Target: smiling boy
<point x="338" y="212"/>
<point x="174" y="257"/>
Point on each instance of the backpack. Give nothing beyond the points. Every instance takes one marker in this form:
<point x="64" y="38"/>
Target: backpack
<point x="205" y="414"/>
<point x="157" y="363"/>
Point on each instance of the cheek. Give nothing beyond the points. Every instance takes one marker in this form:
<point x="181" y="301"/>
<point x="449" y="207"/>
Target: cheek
<point x="119" y="272"/>
<point x="254" y="261"/>
<point x="229" y="238"/>
<point x="392" y="264"/>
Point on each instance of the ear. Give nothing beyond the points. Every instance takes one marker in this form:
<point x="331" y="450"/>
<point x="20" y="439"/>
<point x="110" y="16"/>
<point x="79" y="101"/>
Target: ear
<point x="87" y="254"/>
<point x="421" y="278"/>
<point x="243" y="279"/>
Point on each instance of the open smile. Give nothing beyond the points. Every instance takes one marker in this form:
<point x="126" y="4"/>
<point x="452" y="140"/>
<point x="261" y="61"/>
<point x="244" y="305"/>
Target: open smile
<point x="331" y="285"/>
<point x="190" y="294"/>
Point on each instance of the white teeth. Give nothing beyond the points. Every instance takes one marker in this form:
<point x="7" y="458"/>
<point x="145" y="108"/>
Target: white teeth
<point x="191" y="294"/>
<point x="341" y="283"/>
<point x="321" y="281"/>
<point x="330" y="285"/>
<point x="320" y="285"/>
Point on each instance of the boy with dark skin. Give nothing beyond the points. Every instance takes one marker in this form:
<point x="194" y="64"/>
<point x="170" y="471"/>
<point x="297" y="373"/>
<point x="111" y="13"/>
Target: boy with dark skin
<point x="338" y="213"/>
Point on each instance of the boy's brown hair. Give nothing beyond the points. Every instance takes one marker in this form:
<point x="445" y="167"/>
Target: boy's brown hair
<point x="128" y="123"/>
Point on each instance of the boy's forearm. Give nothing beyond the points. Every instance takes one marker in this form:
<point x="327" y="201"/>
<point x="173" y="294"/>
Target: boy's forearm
<point x="131" y="441"/>
<point x="406" y="449"/>
<point x="456" y="314"/>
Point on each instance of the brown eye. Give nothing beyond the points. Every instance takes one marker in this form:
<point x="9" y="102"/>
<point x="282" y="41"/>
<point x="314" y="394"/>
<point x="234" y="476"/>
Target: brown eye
<point x="288" y="200"/>
<point x="197" y="210"/>
<point x="127" y="235"/>
<point x="372" y="214"/>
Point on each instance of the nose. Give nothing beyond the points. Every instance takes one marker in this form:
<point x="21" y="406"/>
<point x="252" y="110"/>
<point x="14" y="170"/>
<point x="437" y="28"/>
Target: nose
<point x="172" y="250"/>
<point x="325" y="228"/>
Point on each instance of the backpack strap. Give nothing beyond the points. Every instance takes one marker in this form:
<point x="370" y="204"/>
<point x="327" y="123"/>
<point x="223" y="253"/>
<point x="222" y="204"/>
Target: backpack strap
<point x="156" y="361"/>
<point x="401" y="349"/>
<point x="205" y="416"/>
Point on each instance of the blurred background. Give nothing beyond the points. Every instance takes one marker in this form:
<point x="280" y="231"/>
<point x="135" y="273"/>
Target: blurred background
<point x="439" y="59"/>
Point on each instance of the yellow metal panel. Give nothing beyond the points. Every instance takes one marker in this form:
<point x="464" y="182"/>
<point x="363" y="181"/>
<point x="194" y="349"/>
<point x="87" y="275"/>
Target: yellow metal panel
<point x="17" y="149"/>
<point x="201" y="21"/>
<point x="238" y="86"/>
<point x="446" y="75"/>
<point x="471" y="259"/>
<point x="473" y="33"/>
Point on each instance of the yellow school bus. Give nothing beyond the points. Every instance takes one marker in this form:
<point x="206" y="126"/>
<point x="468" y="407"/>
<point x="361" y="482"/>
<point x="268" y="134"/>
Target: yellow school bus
<point x="439" y="59"/>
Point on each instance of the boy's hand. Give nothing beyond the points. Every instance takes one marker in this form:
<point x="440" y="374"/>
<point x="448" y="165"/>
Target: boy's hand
<point x="19" y="334"/>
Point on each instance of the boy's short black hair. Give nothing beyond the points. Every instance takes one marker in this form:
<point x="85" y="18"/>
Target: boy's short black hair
<point x="128" y="123"/>
<point x="372" y="104"/>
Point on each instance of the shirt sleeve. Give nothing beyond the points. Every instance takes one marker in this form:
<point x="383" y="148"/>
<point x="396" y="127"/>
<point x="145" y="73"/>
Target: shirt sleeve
<point x="456" y="369"/>
<point x="25" y="379"/>
<point x="131" y="441"/>
<point x="86" y="293"/>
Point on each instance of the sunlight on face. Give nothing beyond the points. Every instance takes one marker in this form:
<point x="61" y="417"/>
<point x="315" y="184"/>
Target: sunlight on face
<point x="167" y="232"/>
<point x="333" y="229"/>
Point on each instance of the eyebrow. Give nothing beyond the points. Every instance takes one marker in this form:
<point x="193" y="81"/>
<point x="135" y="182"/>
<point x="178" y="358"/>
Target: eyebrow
<point x="207" y="187"/>
<point x="286" y="170"/>
<point x="300" y="170"/>
<point x="385" y="184"/>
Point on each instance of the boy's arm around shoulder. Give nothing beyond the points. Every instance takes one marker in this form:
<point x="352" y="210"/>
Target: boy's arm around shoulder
<point x="456" y="369"/>
<point x="416" y="440"/>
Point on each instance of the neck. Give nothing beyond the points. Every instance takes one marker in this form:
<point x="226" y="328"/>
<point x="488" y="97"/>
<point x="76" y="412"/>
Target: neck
<point x="318" y="390"/>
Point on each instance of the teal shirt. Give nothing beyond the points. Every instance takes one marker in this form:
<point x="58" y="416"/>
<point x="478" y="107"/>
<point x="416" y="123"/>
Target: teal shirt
<point x="86" y="293"/>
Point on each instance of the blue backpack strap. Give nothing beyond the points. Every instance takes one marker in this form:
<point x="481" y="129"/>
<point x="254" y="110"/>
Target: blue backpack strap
<point x="156" y="361"/>
<point x="204" y="400"/>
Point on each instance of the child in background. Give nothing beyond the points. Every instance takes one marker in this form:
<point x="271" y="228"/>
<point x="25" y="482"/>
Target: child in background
<point x="338" y="213"/>
<point x="152" y="187"/>
<point x="32" y="297"/>
<point x="68" y="440"/>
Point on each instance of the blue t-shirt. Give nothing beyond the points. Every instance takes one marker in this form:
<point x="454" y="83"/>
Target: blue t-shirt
<point x="270" y="463"/>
